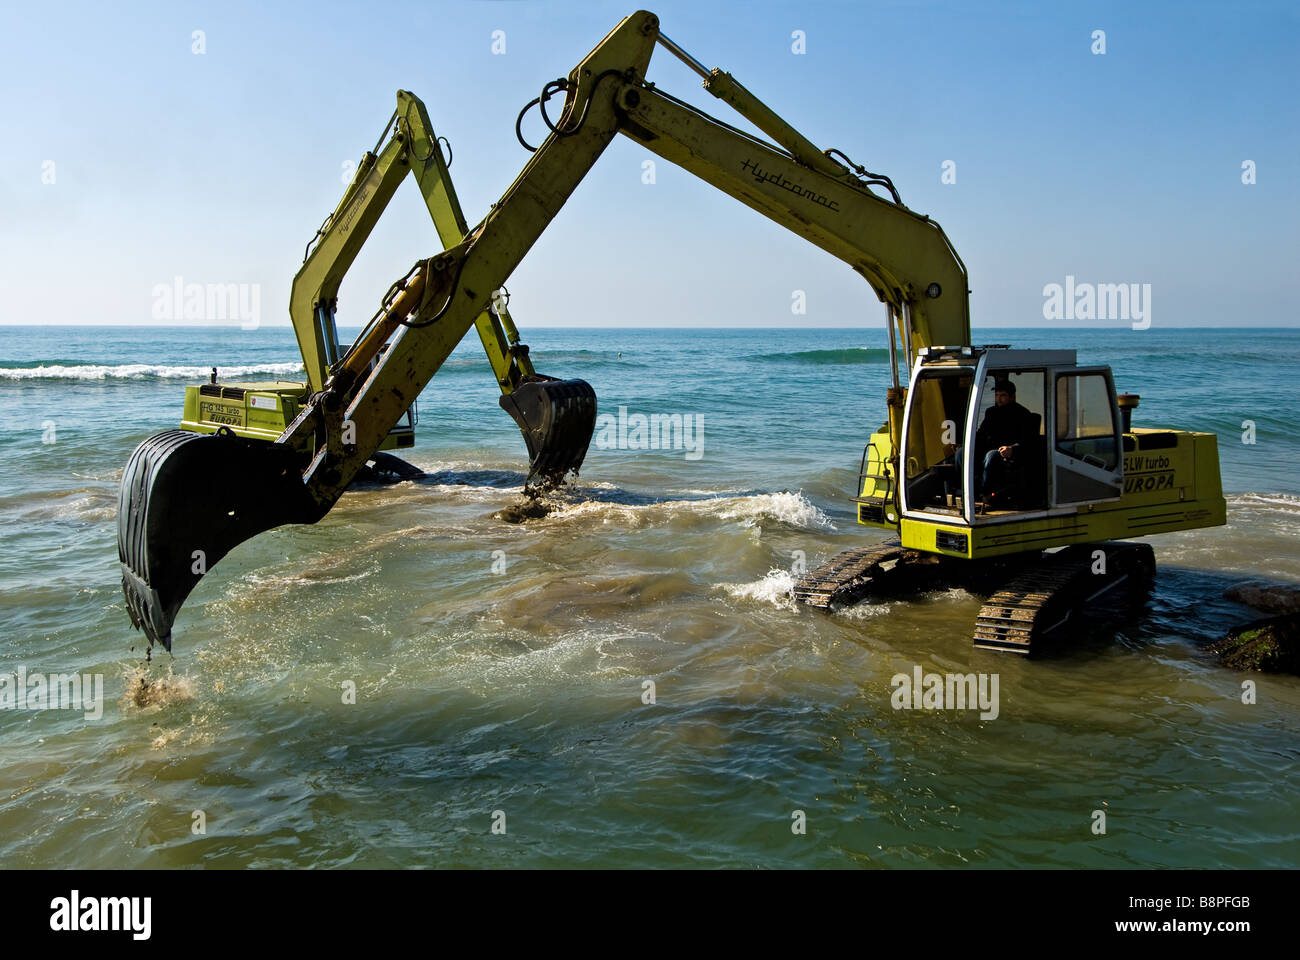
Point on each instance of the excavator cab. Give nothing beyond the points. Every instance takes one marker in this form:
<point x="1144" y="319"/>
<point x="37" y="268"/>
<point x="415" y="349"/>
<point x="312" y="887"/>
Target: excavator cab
<point x="994" y="435"/>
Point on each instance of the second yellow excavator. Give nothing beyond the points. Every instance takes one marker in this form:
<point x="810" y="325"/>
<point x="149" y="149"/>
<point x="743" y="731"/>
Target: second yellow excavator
<point x="557" y="417"/>
<point x="1009" y="469"/>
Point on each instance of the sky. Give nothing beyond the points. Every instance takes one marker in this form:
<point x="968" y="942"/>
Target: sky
<point x="128" y="159"/>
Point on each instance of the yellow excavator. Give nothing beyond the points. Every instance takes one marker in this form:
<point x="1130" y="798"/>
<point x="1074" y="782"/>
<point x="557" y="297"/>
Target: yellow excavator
<point x="1024" y="503"/>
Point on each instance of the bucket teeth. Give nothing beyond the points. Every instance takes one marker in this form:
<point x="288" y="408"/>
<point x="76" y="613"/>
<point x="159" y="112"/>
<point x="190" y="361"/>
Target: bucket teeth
<point x="146" y="608"/>
<point x="557" y="419"/>
<point x="186" y="500"/>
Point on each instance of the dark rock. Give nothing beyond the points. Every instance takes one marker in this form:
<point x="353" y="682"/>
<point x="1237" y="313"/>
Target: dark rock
<point x="525" y="509"/>
<point x="1267" y="597"/>
<point x="1271" y="645"/>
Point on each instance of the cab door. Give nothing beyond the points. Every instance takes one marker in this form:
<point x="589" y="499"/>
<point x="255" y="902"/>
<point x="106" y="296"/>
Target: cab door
<point x="933" y="476"/>
<point x="1087" y="448"/>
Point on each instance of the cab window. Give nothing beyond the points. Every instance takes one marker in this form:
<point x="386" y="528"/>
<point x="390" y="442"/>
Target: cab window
<point x="1085" y="420"/>
<point x="1016" y="481"/>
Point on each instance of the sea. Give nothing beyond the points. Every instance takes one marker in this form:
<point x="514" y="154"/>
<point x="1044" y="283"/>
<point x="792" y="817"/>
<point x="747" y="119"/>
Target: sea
<point x="415" y="682"/>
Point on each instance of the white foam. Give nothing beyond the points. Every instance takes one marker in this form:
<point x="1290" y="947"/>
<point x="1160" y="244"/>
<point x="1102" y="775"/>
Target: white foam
<point x="141" y="371"/>
<point x="318" y="577"/>
<point x="1287" y="502"/>
<point x="776" y="588"/>
<point x="862" y="611"/>
<point x="792" y="509"/>
<point x="485" y="664"/>
<point x="473" y="494"/>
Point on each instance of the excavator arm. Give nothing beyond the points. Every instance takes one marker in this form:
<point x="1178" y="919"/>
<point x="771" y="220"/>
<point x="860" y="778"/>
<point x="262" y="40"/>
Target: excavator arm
<point x="413" y="148"/>
<point x="904" y="256"/>
<point x="553" y="415"/>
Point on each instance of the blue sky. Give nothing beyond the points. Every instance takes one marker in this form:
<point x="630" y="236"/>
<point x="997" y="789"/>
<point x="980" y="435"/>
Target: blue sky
<point x="1117" y="168"/>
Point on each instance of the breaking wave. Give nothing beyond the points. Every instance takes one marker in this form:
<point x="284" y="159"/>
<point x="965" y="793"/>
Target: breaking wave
<point x="846" y="355"/>
<point x="142" y="371"/>
<point x="1280" y="502"/>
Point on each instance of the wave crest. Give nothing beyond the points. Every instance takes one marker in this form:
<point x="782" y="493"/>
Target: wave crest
<point x="142" y="371"/>
<point x="845" y="355"/>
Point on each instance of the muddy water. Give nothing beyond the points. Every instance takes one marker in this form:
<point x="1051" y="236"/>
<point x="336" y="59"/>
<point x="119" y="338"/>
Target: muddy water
<point x="384" y="687"/>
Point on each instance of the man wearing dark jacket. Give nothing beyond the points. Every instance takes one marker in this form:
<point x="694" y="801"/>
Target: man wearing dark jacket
<point x="1007" y="430"/>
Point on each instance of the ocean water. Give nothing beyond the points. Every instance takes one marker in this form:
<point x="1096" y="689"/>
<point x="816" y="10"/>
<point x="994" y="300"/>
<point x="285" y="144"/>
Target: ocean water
<point x="500" y="670"/>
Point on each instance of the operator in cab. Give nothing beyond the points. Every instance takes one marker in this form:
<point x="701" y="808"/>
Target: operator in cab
<point x="1008" y="430"/>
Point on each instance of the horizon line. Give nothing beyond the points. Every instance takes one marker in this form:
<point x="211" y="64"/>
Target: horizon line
<point x="617" y="326"/>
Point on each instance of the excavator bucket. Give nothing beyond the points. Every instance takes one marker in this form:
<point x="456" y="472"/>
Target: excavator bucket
<point x="557" y="419"/>
<point x="186" y="500"/>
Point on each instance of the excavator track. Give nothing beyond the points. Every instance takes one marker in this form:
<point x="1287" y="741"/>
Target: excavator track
<point x="846" y="577"/>
<point x="1032" y="594"/>
<point x="1039" y="600"/>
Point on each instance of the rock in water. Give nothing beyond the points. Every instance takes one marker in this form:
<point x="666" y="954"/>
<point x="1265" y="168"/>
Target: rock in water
<point x="1268" y="597"/>
<point x="1271" y="645"/>
<point x="526" y="509"/>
